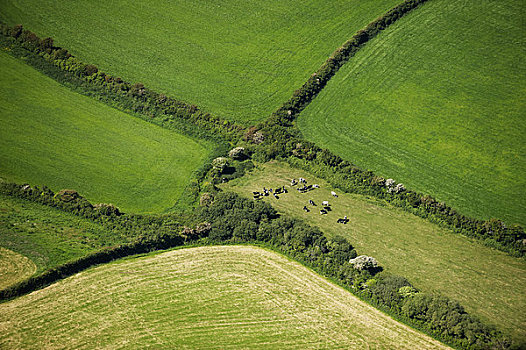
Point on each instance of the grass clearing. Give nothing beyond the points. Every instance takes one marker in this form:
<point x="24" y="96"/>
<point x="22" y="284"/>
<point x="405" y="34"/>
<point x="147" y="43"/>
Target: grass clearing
<point x="14" y="267"/>
<point x="52" y="136"/>
<point x="436" y="102"/>
<point x="236" y="59"/>
<point x="487" y="282"/>
<point x="208" y="297"/>
<point x="47" y="236"/>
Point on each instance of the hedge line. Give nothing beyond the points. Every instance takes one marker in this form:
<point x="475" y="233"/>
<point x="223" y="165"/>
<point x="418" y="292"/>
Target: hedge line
<point x="234" y="219"/>
<point x="130" y="97"/>
<point x="278" y="138"/>
<point x="229" y="218"/>
<point x="317" y="81"/>
<point x="140" y="246"/>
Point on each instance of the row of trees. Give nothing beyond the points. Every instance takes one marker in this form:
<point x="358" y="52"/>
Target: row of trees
<point x="227" y="218"/>
<point x="134" y="97"/>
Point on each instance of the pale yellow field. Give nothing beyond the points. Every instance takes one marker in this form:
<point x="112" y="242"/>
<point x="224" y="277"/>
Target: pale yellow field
<point x="219" y="297"/>
<point x="14" y="267"/>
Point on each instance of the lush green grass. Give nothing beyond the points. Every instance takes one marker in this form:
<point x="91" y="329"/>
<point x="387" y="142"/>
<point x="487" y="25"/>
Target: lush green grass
<point x="437" y="102"/>
<point x="237" y="59"/>
<point x="14" y="267"/>
<point x="209" y="298"/>
<point x="487" y="282"/>
<point x="47" y="236"/>
<point x="52" y="136"/>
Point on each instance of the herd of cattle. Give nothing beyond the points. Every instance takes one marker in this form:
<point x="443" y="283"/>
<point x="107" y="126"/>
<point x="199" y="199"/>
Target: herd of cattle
<point x="302" y="187"/>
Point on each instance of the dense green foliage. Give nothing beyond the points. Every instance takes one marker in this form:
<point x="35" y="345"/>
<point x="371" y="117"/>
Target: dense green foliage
<point x="238" y="60"/>
<point x="433" y="258"/>
<point x="237" y="219"/>
<point x="437" y="107"/>
<point x="230" y="218"/>
<point x="50" y="135"/>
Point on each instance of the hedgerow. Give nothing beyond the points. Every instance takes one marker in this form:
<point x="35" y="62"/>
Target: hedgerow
<point x="228" y="218"/>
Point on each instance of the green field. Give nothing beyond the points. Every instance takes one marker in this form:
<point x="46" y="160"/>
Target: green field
<point x="437" y="102"/>
<point x="52" y="136"/>
<point x="48" y="237"/>
<point x="236" y="59"/>
<point x="487" y="282"/>
<point x="234" y="297"/>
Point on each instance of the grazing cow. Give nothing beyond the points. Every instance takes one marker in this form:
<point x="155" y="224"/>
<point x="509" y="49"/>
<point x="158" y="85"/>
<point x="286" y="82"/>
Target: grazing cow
<point x="323" y="211"/>
<point x="303" y="181"/>
<point x="285" y="190"/>
<point x="293" y="182"/>
<point x="325" y="203"/>
<point x="311" y="202"/>
<point x="305" y="209"/>
<point x="308" y="187"/>
<point x="275" y="196"/>
<point x="334" y="194"/>
<point x="315" y="186"/>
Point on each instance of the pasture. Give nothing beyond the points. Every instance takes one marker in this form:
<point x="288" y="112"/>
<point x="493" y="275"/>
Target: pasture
<point x="52" y="136"/>
<point x="237" y="59"/>
<point x="436" y="102"/>
<point x="45" y="236"/>
<point x="489" y="283"/>
<point x="208" y="297"/>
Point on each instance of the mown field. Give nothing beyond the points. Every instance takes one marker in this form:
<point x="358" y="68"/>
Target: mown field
<point x="437" y="102"/>
<point x="46" y="237"/>
<point x="52" y="136"/>
<point x="487" y="282"/>
<point x="209" y="297"/>
<point x="237" y="59"/>
<point x="14" y="267"/>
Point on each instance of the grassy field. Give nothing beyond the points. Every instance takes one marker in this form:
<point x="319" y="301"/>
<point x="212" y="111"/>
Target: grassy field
<point x="211" y="297"/>
<point x="52" y="136"/>
<point x="487" y="282"/>
<point x="437" y="102"/>
<point x="46" y="236"/>
<point x="237" y="59"/>
<point x="14" y="267"/>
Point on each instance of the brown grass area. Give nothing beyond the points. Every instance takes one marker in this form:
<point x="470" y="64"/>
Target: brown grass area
<point x="210" y="297"/>
<point x="14" y="267"/>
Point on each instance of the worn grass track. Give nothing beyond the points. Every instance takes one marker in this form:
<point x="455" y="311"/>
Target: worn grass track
<point x="436" y="102"/>
<point x="14" y="267"/>
<point x="52" y="136"/>
<point x="209" y="297"/>
<point x="487" y="282"/>
<point x="236" y="59"/>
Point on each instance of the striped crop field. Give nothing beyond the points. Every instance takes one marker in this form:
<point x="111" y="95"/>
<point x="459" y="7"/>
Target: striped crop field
<point x="487" y="282"/>
<point x="436" y="102"/>
<point x="52" y="136"/>
<point x="237" y="59"/>
<point x="232" y="297"/>
<point x="14" y="267"/>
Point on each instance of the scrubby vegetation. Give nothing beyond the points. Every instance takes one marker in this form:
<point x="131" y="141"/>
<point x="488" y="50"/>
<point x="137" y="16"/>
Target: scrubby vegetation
<point x="230" y="218"/>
